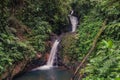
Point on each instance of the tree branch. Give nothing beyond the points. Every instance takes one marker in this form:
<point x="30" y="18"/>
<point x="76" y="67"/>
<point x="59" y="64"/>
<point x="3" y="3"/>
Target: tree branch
<point x="91" y="50"/>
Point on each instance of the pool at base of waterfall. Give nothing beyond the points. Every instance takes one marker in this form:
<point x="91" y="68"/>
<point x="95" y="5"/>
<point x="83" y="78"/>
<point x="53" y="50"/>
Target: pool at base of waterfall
<point x="49" y="74"/>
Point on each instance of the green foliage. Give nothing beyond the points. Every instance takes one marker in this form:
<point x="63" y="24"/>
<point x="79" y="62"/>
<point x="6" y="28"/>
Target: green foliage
<point x="87" y="31"/>
<point x="43" y="17"/>
<point x="39" y="35"/>
<point x="103" y="64"/>
<point x="55" y="11"/>
<point x="3" y="15"/>
<point x="68" y="47"/>
<point x="13" y="50"/>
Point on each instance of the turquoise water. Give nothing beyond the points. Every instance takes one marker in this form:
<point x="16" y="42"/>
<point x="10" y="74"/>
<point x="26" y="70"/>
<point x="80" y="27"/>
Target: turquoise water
<point x="51" y="74"/>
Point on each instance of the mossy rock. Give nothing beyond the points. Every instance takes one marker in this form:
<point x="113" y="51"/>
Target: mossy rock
<point x="68" y="48"/>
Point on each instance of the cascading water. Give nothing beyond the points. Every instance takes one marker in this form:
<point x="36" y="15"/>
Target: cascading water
<point x="50" y="62"/>
<point x="53" y="53"/>
<point x="46" y="72"/>
<point x="74" y="21"/>
<point x="52" y="56"/>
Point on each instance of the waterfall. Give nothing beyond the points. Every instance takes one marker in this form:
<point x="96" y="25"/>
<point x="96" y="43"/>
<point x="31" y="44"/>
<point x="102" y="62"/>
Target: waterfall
<point x="50" y="62"/>
<point x="52" y="56"/>
<point x="73" y="21"/>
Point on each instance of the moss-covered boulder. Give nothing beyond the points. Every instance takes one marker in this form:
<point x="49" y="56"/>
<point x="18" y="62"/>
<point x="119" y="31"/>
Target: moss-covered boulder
<point x="68" y="50"/>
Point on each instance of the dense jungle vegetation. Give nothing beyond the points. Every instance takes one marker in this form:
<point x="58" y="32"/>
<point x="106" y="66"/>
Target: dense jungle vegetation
<point x="26" y="26"/>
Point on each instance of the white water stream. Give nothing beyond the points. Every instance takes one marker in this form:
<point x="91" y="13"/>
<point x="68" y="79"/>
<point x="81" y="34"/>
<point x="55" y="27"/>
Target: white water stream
<point x="50" y="62"/>
<point x="52" y="56"/>
<point x="53" y="52"/>
<point x="74" y="21"/>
